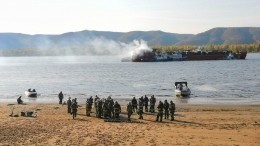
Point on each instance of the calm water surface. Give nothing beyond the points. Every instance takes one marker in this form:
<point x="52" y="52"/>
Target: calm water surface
<point x="224" y="81"/>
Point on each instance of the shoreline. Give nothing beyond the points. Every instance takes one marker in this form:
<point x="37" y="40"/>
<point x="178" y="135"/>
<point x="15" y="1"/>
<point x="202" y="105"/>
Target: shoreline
<point x="125" y="100"/>
<point x="198" y="124"/>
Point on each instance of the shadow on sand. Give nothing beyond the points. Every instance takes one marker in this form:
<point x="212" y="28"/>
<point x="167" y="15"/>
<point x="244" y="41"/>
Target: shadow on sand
<point x="123" y="118"/>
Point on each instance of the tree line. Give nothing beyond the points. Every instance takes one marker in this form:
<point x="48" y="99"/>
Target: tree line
<point x="251" y="48"/>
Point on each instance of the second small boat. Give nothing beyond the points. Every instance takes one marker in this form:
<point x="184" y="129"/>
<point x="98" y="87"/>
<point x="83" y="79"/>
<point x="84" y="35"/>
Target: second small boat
<point x="182" y="89"/>
<point x="31" y="93"/>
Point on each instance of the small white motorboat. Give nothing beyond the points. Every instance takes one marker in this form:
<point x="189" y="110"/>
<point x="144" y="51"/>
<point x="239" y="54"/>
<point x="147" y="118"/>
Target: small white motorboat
<point x="182" y="89"/>
<point x="31" y="93"/>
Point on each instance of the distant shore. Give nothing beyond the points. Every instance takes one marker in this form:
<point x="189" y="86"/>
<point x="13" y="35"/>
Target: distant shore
<point x="200" y="124"/>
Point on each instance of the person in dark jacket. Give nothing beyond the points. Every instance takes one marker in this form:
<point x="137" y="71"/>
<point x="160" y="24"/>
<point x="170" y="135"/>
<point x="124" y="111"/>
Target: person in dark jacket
<point x="95" y="102"/>
<point x="74" y="108"/>
<point x="166" y="109"/>
<point x="90" y="102"/>
<point x="105" y="108"/>
<point x="152" y="104"/>
<point x="69" y="105"/>
<point x="141" y="100"/>
<point x="146" y="100"/>
<point x="111" y="103"/>
<point x="172" y="110"/>
<point x="19" y="100"/>
<point x="99" y="108"/>
<point x="117" y="109"/>
<point x="134" y="104"/>
<point x="60" y="97"/>
<point x="88" y="107"/>
<point x="160" y="111"/>
<point x="129" y="109"/>
<point x="140" y="108"/>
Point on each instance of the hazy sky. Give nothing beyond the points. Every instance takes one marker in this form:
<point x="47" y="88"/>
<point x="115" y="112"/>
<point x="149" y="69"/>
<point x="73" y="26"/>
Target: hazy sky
<point x="177" y="16"/>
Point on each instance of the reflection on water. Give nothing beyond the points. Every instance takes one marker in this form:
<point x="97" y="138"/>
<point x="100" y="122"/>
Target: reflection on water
<point x="182" y="99"/>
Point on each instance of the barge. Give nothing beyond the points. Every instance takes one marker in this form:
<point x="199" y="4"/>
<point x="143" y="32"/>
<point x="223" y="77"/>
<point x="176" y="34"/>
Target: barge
<point x="152" y="56"/>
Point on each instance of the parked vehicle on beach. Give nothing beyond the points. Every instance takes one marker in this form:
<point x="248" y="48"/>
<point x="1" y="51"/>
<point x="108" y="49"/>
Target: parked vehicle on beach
<point x="31" y="93"/>
<point x="182" y="89"/>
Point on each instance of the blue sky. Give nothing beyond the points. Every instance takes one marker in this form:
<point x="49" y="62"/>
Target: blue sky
<point x="176" y="16"/>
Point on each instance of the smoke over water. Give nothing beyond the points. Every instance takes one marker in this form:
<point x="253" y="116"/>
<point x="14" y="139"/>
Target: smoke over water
<point x="135" y="48"/>
<point x="90" y="46"/>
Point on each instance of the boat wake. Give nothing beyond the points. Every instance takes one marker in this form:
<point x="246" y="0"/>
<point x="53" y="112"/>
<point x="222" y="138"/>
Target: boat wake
<point x="206" y="87"/>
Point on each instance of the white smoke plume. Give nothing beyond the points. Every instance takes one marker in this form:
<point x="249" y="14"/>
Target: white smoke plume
<point x="92" y="46"/>
<point x="135" y="48"/>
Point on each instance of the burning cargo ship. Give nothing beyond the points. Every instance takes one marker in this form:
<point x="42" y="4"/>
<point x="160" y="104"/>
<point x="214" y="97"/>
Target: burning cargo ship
<point x="153" y="56"/>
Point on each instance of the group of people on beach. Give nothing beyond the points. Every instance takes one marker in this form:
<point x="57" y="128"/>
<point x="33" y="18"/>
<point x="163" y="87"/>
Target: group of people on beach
<point x="165" y="108"/>
<point x="71" y="103"/>
<point x="108" y="109"/>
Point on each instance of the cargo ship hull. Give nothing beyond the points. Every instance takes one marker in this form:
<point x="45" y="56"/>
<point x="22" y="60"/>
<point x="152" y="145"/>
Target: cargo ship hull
<point x="187" y="56"/>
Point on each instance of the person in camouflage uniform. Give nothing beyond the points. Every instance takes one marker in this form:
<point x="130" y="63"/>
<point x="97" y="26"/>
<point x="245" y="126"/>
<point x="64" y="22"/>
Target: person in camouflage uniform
<point x="90" y="102"/>
<point x="69" y="105"/>
<point x="166" y="109"/>
<point x="117" y="109"/>
<point x="140" y="108"/>
<point x="152" y="103"/>
<point x="146" y="101"/>
<point x="129" y="109"/>
<point x="160" y="111"/>
<point x="106" y="109"/>
<point x="95" y="102"/>
<point x="74" y="107"/>
<point x="111" y="107"/>
<point x="134" y="104"/>
<point x="172" y="110"/>
<point x="98" y="108"/>
<point x="88" y="108"/>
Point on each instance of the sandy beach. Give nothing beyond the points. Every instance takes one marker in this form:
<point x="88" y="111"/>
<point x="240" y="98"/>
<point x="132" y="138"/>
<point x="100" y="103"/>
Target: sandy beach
<point x="193" y="125"/>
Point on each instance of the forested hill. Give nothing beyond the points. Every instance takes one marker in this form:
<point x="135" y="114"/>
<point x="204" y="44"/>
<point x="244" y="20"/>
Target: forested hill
<point x="16" y="40"/>
<point x="221" y="35"/>
<point x="231" y="35"/>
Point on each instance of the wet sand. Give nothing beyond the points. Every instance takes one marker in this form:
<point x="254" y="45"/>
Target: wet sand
<point x="193" y="125"/>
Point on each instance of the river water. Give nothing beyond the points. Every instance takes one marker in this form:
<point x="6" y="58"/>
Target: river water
<point x="223" y="81"/>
